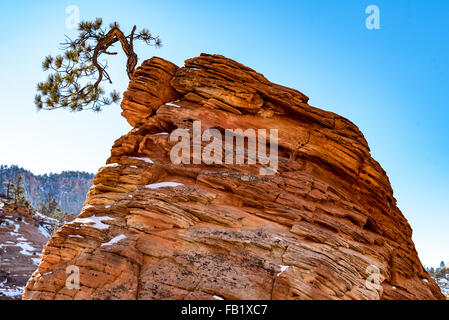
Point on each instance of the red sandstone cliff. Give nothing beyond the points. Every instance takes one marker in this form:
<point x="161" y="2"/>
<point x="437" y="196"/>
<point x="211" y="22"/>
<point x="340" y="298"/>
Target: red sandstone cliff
<point x="151" y="229"/>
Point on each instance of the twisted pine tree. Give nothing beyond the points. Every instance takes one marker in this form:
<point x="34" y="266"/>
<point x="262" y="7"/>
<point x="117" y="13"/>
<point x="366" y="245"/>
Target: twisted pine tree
<point x="77" y="75"/>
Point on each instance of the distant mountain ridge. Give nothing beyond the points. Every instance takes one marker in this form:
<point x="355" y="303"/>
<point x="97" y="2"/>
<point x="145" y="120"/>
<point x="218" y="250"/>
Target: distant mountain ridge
<point x="69" y="188"/>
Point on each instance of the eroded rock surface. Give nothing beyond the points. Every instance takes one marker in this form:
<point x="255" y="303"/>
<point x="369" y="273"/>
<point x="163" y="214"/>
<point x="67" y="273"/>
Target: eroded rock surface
<point x="23" y="235"/>
<point x="319" y="228"/>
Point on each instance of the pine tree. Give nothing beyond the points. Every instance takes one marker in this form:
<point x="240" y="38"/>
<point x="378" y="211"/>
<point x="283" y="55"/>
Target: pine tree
<point x="78" y="74"/>
<point x="51" y="209"/>
<point x="8" y="186"/>
<point x="18" y="193"/>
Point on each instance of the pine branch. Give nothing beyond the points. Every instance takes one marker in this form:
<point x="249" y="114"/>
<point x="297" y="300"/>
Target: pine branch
<point x="77" y="75"/>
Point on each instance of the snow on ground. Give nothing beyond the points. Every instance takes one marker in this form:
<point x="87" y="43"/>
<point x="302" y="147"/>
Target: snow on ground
<point x="218" y="298"/>
<point x="45" y="218"/>
<point x="13" y="223"/>
<point x="94" y="222"/>
<point x="444" y="285"/>
<point x="114" y="240"/>
<point x="11" y="293"/>
<point x="21" y="246"/>
<point x="163" y="185"/>
<point x="20" y="241"/>
<point x="44" y="232"/>
<point x="24" y="244"/>
<point x="27" y="248"/>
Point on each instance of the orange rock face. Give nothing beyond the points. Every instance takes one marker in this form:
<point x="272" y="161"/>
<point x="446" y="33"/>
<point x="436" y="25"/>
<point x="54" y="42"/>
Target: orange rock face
<point x="324" y="226"/>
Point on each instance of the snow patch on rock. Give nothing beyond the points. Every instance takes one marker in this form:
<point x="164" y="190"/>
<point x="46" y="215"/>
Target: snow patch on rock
<point x="112" y="165"/>
<point x="163" y="185"/>
<point x="283" y="268"/>
<point x="114" y="240"/>
<point x="147" y="160"/>
<point x="172" y="104"/>
<point x="94" y="222"/>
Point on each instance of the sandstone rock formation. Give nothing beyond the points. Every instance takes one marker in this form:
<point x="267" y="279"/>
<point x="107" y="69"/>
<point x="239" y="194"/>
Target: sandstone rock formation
<point x="322" y="227"/>
<point x="23" y="235"/>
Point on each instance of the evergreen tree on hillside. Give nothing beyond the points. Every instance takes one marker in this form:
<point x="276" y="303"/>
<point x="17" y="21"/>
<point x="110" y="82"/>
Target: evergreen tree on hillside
<point x="37" y="187"/>
<point x="8" y="187"/>
<point x="51" y="209"/>
<point x="18" y="193"/>
<point x="77" y="75"/>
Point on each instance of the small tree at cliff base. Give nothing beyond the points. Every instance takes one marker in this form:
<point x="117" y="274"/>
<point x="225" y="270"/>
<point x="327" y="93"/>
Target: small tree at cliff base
<point x="18" y="193"/>
<point x="51" y="209"/>
<point x="76" y="76"/>
<point x="8" y="187"/>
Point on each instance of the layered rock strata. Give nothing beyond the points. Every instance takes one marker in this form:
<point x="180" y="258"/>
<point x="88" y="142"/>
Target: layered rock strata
<point x="324" y="226"/>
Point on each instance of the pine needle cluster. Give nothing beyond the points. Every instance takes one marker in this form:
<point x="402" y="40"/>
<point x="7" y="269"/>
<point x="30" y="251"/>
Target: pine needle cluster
<point x="76" y="76"/>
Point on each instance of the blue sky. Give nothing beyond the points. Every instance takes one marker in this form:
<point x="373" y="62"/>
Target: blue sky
<point x="393" y="82"/>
